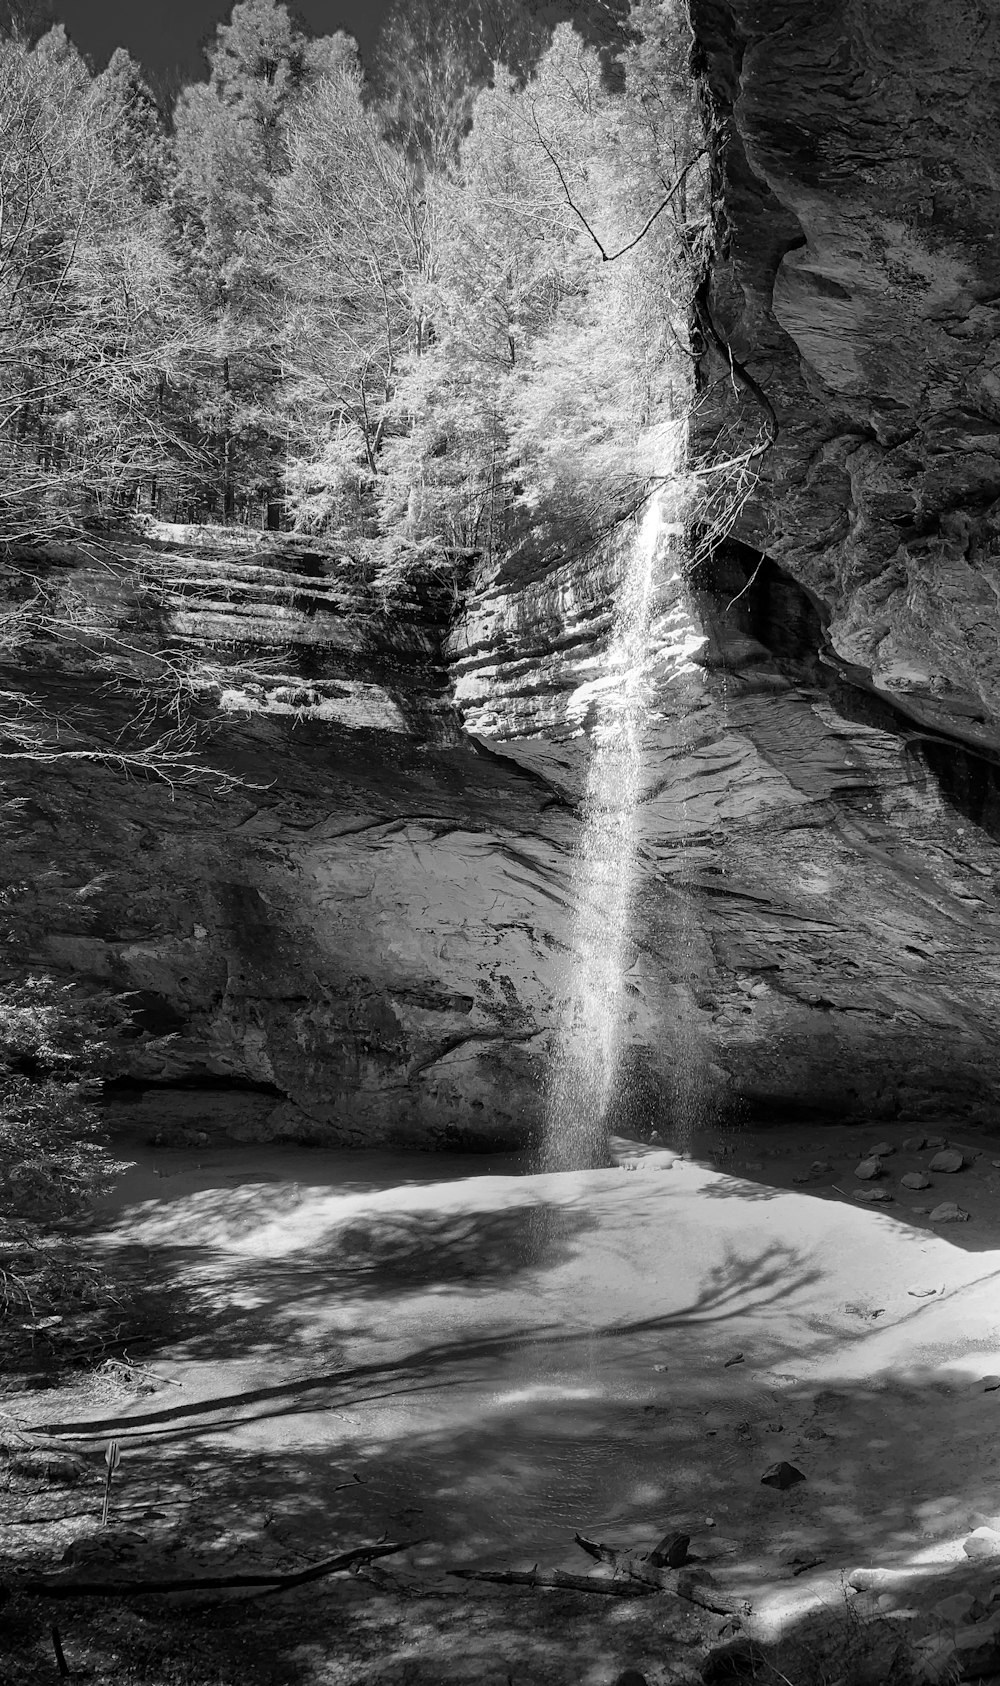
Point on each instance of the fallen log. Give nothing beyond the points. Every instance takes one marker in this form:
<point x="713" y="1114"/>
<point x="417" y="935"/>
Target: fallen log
<point x="633" y="1564"/>
<point x="272" y="1582"/>
<point x="700" y="1589"/>
<point x="694" y="1585"/>
<point x="558" y="1579"/>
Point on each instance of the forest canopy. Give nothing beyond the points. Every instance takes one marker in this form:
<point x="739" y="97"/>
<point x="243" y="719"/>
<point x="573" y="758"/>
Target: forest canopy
<point x="426" y="307"/>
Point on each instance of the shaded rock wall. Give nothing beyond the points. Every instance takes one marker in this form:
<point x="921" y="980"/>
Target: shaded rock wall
<point x="857" y="178"/>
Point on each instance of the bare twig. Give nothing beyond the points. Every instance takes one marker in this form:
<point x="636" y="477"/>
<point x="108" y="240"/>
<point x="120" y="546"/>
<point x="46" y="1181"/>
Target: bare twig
<point x="127" y="1363"/>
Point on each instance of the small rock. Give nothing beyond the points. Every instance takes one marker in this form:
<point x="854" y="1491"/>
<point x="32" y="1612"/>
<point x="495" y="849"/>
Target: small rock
<point x="915" y="1179"/>
<point x="914" y="1144"/>
<point x="738" y="1659"/>
<point x="820" y="1167"/>
<point x="951" y="1159"/>
<point x="989" y="1384"/>
<point x="737" y="1358"/>
<point x="872" y="1196"/>
<point x="660" y="1368"/>
<point x="982" y="1542"/>
<point x="881" y="1150"/>
<point x="949" y="1213"/>
<point x="923" y="1210"/>
<point x="868" y="1168"/>
<point x="781" y="1475"/>
<point x="935" y="1141"/>
<point x="921" y="1293"/>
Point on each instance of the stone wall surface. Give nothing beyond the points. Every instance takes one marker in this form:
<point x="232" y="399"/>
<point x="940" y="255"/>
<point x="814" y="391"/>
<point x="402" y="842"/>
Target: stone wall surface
<point x="357" y="929"/>
<point x="857" y="170"/>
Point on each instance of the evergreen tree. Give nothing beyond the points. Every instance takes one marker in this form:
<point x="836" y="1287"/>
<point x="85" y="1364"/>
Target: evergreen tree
<point x="91" y="319"/>
<point x="349" y="254"/>
<point x="231" y="154"/>
<point x="133" y="125"/>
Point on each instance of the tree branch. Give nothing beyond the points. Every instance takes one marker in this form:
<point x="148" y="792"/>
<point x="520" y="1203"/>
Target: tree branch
<point x="272" y="1582"/>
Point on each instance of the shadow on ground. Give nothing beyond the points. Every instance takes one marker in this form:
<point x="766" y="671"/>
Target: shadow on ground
<point x="443" y="1253"/>
<point x="489" y="1434"/>
<point x="406" y="1623"/>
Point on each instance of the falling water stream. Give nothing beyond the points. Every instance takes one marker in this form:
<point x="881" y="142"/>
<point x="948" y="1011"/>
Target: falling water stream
<point x="584" y="1073"/>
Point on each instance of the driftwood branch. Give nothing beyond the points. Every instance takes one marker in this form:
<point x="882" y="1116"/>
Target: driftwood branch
<point x="272" y="1582"/>
<point x="694" y="1585"/>
<point x="556" y="1578"/>
<point x="632" y="1564"/>
<point x="637" y="1575"/>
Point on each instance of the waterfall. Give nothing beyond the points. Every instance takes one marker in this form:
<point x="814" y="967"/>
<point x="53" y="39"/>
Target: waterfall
<point x="584" y="1070"/>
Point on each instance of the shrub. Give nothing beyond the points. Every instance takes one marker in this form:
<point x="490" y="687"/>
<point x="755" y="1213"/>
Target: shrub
<point x="54" y="1043"/>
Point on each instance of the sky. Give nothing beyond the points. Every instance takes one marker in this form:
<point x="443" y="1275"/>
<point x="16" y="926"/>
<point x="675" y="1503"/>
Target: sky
<point x="166" y="36"/>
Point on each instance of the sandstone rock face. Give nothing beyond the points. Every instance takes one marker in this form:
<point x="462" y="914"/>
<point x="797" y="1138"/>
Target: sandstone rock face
<point x="360" y="934"/>
<point x="859" y="282"/>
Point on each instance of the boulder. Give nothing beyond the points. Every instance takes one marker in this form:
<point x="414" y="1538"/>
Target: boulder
<point x="982" y="1542"/>
<point x="950" y="1159"/>
<point x="959" y="1609"/>
<point x="977" y="1648"/>
<point x="868" y="1169"/>
<point x="932" y="1661"/>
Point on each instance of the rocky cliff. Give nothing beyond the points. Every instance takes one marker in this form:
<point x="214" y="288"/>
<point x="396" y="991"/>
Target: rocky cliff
<point x="356" y="929"/>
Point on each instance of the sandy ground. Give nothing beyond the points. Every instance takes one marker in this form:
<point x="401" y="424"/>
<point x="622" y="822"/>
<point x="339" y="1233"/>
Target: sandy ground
<point x="487" y="1362"/>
